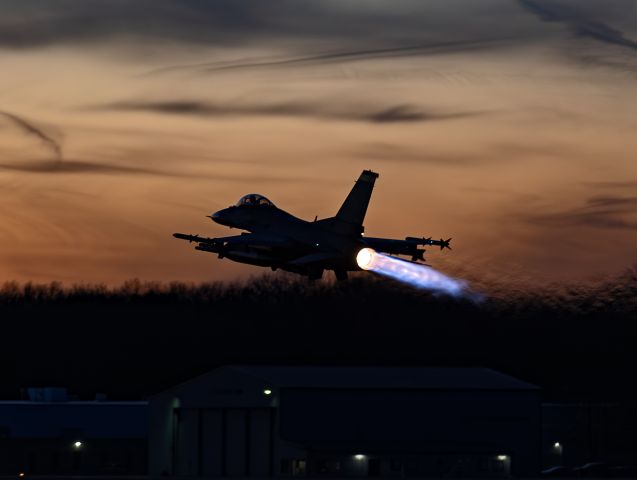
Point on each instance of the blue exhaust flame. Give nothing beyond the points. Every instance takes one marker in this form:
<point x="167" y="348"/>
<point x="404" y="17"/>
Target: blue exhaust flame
<point x="414" y="274"/>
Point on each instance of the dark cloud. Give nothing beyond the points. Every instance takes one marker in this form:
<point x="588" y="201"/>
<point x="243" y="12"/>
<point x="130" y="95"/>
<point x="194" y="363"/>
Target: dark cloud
<point x="609" y="201"/>
<point x="602" y="212"/>
<point x="348" y="23"/>
<point x="432" y="48"/>
<point x="578" y="21"/>
<point x="34" y="23"/>
<point x="407" y="113"/>
<point x="393" y="114"/>
<point x="307" y="30"/>
<point x="79" y="167"/>
<point x="628" y="184"/>
<point x="30" y="128"/>
<point x="76" y="166"/>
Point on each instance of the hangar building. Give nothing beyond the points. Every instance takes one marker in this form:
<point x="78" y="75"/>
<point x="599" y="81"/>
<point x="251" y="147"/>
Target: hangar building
<point x="256" y="421"/>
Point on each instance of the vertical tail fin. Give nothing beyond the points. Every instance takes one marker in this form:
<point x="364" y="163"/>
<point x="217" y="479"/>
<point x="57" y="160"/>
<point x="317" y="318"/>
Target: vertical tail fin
<point x="355" y="205"/>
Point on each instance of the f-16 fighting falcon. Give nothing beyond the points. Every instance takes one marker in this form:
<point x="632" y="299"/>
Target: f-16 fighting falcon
<point x="279" y="240"/>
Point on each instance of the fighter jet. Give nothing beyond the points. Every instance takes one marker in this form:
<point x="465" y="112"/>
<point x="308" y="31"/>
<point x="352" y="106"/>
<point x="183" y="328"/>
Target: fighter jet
<point x="279" y="240"/>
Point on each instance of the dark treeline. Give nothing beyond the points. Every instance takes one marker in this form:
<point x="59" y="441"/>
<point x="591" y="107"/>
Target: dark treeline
<point x="577" y="342"/>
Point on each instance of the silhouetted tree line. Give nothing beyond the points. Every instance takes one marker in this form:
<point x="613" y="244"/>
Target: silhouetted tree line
<point x="574" y="341"/>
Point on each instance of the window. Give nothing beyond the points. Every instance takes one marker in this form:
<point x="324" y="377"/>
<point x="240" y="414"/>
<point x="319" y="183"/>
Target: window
<point x="295" y="467"/>
<point x="321" y="465"/>
<point x="298" y="467"/>
<point x="395" y="465"/>
<point x="411" y="465"/>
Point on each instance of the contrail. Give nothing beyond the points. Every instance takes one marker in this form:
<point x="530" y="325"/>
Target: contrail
<point x="31" y="129"/>
<point x="414" y="274"/>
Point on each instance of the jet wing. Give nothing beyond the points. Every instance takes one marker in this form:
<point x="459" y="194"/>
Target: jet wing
<point x="408" y="246"/>
<point x="252" y="240"/>
<point x="381" y="244"/>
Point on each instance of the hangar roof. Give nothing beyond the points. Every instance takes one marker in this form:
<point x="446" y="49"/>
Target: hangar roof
<point x="443" y="378"/>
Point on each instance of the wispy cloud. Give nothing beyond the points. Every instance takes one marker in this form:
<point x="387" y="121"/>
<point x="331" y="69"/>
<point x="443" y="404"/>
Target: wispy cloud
<point x="326" y="111"/>
<point x="36" y="23"/>
<point x="77" y="166"/>
<point x="431" y="48"/>
<point x="31" y="129"/>
<point x="578" y="21"/>
<point x="602" y="212"/>
<point x="620" y="184"/>
<point x="89" y="167"/>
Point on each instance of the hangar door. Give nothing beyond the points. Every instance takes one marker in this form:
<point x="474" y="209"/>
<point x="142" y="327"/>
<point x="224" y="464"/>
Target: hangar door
<point x="223" y="442"/>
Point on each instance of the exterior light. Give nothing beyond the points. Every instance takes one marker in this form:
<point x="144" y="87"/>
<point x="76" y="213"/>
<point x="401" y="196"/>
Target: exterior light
<point x="502" y="458"/>
<point x="556" y="445"/>
<point x="21" y="474"/>
<point x="267" y="391"/>
<point x="77" y="445"/>
<point x="359" y="456"/>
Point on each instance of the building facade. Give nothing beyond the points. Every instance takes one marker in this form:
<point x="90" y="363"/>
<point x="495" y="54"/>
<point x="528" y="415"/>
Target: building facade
<point x="250" y="421"/>
<point x="48" y="433"/>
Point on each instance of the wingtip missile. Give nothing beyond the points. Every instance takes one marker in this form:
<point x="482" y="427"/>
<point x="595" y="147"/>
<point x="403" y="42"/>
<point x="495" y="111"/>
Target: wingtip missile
<point x="445" y="244"/>
<point x="442" y="243"/>
<point x="191" y="238"/>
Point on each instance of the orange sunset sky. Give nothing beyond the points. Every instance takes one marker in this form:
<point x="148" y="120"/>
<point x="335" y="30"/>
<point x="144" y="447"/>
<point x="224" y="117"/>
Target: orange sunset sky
<point x="507" y="125"/>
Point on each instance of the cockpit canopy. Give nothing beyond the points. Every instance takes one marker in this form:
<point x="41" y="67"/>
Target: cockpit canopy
<point x="254" y="199"/>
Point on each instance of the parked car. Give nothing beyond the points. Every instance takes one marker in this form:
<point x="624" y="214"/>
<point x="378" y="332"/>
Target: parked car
<point x="559" y="471"/>
<point x="593" y="469"/>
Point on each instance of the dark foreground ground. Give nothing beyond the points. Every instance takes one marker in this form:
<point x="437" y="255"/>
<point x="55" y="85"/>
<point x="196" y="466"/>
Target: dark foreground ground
<point x="144" y="477"/>
<point x="576" y="342"/>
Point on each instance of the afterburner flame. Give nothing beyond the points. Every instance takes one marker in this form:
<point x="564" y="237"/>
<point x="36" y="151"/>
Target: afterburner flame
<point x="365" y="258"/>
<point x="415" y="274"/>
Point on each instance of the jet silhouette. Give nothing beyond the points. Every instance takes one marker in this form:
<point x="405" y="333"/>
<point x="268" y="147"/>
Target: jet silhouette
<point x="279" y="240"/>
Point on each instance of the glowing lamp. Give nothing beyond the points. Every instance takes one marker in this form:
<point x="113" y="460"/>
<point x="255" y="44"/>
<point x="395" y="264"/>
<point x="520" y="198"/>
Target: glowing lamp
<point x="359" y="456"/>
<point x="267" y="391"/>
<point x="77" y="444"/>
<point x="366" y="258"/>
<point x="502" y="458"/>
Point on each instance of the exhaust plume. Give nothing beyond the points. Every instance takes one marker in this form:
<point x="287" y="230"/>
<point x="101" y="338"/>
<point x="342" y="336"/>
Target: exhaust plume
<point x="414" y="274"/>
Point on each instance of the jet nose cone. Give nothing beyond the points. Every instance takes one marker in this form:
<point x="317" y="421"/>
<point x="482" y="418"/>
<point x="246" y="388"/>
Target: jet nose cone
<point x="218" y="217"/>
